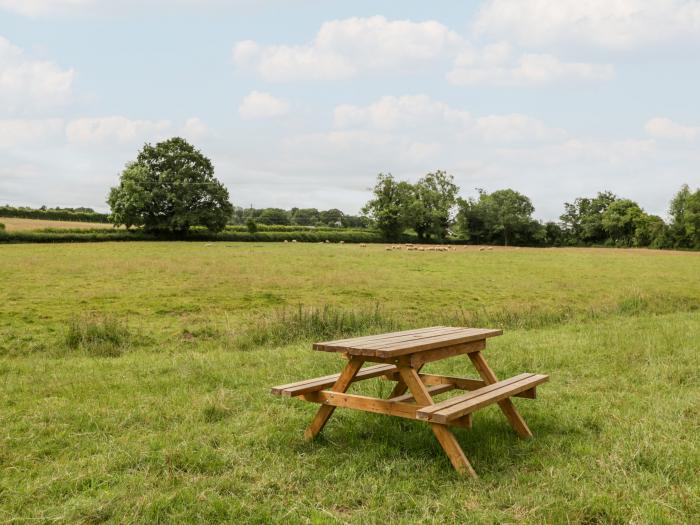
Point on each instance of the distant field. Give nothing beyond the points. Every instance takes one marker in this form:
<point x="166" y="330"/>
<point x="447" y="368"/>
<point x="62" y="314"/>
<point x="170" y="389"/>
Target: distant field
<point x="129" y="396"/>
<point x="13" y="225"/>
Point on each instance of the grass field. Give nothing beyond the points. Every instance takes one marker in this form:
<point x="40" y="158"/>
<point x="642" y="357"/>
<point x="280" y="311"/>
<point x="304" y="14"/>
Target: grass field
<point x="136" y="377"/>
<point x="13" y="224"/>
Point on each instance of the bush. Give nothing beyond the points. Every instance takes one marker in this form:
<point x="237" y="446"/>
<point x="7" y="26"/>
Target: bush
<point x="2" y="227"/>
<point x="102" y="336"/>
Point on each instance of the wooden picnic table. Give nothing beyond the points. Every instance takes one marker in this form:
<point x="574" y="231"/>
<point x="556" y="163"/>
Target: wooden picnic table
<point x="401" y="356"/>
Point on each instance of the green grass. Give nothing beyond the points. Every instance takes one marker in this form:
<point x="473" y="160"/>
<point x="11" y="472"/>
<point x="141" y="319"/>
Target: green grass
<point x="135" y="385"/>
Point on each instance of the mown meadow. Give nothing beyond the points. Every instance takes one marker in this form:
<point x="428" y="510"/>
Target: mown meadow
<point x="135" y="381"/>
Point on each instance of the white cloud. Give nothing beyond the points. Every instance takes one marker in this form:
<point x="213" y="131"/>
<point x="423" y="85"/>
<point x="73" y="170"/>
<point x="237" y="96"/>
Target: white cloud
<point x="397" y="112"/>
<point x="44" y="7"/>
<point x="30" y="85"/>
<point x="262" y="105"/>
<point x="19" y="132"/>
<point x="118" y="129"/>
<point x="495" y="65"/>
<point x="343" y="48"/>
<point x="421" y="116"/>
<point x="617" y="24"/>
<point x="665" y="128"/>
<point x="514" y="127"/>
<point x="194" y="129"/>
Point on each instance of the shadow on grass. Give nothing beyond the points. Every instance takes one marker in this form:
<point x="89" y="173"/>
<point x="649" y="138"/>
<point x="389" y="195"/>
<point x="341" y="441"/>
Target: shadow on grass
<point x="491" y="445"/>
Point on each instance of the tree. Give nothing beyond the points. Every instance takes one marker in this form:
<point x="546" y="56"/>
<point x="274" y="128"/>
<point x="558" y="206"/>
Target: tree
<point x="651" y="230"/>
<point x="685" y="218"/>
<point x="431" y="212"/>
<point x="274" y="216"/>
<point x="504" y="216"/>
<point x="620" y="221"/>
<point x="305" y="216"/>
<point x="251" y="225"/>
<point x="389" y="208"/>
<point x="169" y="188"/>
<point x="582" y="220"/>
<point x="332" y="217"/>
<point x="553" y="234"/>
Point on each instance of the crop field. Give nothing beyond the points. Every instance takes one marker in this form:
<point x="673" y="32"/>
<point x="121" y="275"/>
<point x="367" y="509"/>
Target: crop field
<point x="13" y="224"/>
<point x="135" y="384"/>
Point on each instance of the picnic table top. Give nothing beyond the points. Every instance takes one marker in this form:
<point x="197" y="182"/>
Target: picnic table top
<point x="395" y="344"/>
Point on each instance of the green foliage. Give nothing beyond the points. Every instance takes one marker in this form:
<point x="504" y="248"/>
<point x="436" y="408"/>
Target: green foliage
<point x="391" y="206"/>
<point x="620" y="221"/>
<point x="261" y="235"/>
<point x="685" y="218"/>
<point x="251" y="225"/>
<point x="274" y="216"/>
<point x="168" y="189"/>
<point x="2" y="227"/>
<point x="503" y="217"/>
<point x="305" y="216"/>
<point x="431" y="210"/>
<point x="583" y="220"/>
<point x="54" y="214"/>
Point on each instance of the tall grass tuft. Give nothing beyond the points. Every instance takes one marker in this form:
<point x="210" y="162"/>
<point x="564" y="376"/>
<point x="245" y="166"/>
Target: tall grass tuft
<point x="286" y="325"/>
<point x="98" y="335"/>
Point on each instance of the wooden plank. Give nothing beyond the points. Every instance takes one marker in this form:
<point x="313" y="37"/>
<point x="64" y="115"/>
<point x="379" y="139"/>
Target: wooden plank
<point x="420" y="358"/>
<point x="506" y="405"/>
<point x="428" y="343"/>
<point x="320" y="383"/>
<point x="393" y="337"/>
<point x="475" y="400"/>
<point x="463" y="383"/>
<point x="365" y="403"/>
<point x="443" y="434"/>
<point x="341" y="385"/>
<point x="484" y="390"/>
<point x="432" y="390"/>
<point x="375" y="405"/>
<point x="386" y="335"/>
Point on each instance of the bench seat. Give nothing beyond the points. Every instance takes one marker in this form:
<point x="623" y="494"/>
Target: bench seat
<point x="469" y="402"/>
<point x="320" y="383"/>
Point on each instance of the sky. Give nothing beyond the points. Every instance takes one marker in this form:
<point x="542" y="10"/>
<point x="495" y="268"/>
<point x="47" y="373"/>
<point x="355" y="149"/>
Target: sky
<point x="303" y="102"/>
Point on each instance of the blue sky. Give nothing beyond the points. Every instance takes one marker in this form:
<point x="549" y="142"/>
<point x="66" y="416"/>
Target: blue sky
<point x="302" y="103"/>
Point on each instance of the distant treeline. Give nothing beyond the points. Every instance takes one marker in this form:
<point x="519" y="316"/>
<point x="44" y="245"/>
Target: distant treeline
<point x="54" y="214"/>
<point x="429" y="211"/>
<point x="333" y="218"/>
<point x="433" y="209"/>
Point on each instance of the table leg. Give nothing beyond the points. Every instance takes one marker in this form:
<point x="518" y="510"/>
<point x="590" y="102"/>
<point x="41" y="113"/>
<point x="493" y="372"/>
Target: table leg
<point x="507" y="406"/>
<point x="341" y="385"/>
<point x="443" y="434"/>
<point x="400" y="388"/>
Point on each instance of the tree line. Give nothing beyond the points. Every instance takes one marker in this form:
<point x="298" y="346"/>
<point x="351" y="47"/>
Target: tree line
<point x="433" y="209"/>
<point x="170" y="188"/>
<point x="54" y="214"/>
<point x="311" y="217"/>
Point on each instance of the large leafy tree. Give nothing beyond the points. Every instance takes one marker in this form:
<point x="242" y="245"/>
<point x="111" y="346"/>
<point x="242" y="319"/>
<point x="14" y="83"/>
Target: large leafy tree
<point x="685" y="218"/>
<point x="504" y="216"/>
<point x="390" y="206"/>
<point x="169" y="188"/>
<point x="276" y="216"/>
<point x="435" y="197"/>
<point x="620" y="221"/>
<point x="583" y="219"/>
